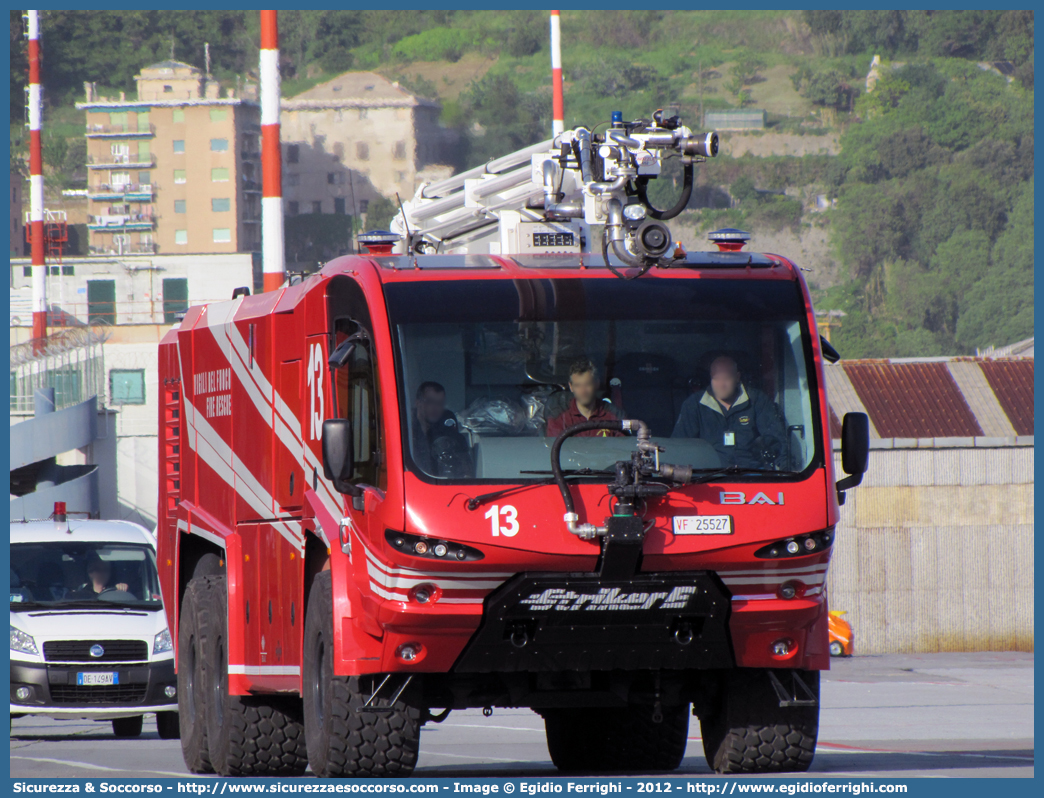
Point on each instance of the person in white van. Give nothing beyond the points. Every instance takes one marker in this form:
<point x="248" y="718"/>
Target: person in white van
<point x="99" y="573"/>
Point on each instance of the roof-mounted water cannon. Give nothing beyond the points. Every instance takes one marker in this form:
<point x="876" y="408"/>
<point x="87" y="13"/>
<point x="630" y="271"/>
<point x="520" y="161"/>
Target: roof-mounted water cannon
<point x="579" y="180"/>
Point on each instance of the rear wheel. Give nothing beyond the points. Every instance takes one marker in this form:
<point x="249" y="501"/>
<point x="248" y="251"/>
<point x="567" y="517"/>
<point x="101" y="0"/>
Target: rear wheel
<point x="342" y="741"/>
<point x="749" y="732"/>
<point x="168" y="725"/>
<point x="836" y="649"/>
<point x="599" y="740"/>
<point x="248" y="735"/>
<point x="191" y="703"/>
<point x="128" y="727"/>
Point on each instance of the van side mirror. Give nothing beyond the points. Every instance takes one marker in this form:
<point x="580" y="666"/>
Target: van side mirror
<point x="338" y="462"/>
<point x="855" y="451"/>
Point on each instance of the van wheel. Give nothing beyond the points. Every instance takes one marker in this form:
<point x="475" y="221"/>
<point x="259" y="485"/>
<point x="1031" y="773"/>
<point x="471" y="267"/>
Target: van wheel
<point x="128" y="727"/>
<point x="836" y="649"/>
<point x="598" y="740"/>
<point x="342" y="741"/>
<point x="191" y="703"/>
<point x="168" y="725"/>
<point x="749" y="732"/>
<point x="248" y="735"/>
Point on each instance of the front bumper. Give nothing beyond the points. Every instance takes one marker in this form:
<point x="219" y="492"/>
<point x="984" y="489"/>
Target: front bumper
<point x="553" y="622"/>
<point x="54" y="692"/>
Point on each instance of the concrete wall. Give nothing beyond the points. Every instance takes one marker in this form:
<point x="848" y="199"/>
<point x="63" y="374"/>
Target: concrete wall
<point x="934" y="551"/>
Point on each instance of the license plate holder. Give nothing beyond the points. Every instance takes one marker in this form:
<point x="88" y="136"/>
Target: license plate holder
<point x="702" y="525"/>
<point x="95" y="679"/>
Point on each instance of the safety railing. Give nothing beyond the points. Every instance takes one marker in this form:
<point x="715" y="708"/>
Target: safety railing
<point x="70" y="360"/>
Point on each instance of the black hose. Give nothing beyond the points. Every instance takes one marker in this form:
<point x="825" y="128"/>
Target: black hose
<point x="679" y="206"/>
<point x="642" y="265"/>
<point x="556" y="450"/>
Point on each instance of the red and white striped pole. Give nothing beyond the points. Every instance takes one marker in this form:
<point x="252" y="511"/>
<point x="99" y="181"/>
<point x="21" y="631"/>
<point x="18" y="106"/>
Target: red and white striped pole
<point x="272" y="258"/>
<point x="36" y="191"/>
<point x="557" y="102"/>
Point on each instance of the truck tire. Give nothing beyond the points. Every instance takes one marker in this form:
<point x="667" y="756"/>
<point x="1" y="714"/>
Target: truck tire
<point x="260" y="735"/>
<point x="191" y="703"/>
<point x="128" y="727"/>
<point x="749" y="732"/>
<point x="168" y="725"/>
<point x="598" y="740"/>
<point x="342" y="741"/>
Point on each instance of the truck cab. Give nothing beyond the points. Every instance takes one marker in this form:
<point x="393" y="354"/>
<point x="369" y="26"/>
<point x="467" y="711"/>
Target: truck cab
<point x="89" y="637"/>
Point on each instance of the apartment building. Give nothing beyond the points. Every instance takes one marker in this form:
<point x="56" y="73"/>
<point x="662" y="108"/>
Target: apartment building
<point x="358" y="136"/>
<point x="175" y="171"/>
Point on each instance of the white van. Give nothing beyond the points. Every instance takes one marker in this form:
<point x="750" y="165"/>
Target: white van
<point x="89" y="637"/>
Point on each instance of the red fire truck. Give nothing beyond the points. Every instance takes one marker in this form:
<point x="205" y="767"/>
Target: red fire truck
<point x="537" y="456"/>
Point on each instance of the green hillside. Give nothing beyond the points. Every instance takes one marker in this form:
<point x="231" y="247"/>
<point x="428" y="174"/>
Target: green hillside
<point x="932" y="223"/>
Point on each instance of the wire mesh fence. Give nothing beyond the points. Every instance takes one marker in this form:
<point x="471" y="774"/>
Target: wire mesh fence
<point x="71" y="361"/>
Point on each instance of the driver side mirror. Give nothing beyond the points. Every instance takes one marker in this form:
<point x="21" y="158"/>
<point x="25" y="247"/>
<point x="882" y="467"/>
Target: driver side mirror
<point x="338" y="448"/>
<point x="855" y="451"/>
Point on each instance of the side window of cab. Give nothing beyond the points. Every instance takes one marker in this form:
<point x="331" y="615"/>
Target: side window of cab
<point x="355" y="383"/>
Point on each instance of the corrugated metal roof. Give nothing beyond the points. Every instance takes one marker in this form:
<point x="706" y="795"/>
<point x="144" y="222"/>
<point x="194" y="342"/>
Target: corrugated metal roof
<point x="912" y="400"/>
<point x="1012" y="382"/>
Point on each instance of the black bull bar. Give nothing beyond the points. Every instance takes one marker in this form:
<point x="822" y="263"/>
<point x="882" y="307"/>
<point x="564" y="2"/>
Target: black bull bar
<point x="551" y="622"/>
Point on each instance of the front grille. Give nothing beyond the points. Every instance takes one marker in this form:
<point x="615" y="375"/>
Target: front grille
<point x="80" y="651"/>
<point x="98" y="694"/>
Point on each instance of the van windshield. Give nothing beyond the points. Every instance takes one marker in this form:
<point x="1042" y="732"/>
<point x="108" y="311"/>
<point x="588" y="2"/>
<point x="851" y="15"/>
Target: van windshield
<point x="491" y="370"/>
<point x="70" y="573"/>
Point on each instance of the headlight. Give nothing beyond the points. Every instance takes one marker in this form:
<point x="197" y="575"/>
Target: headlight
<point x="161" y="644"/>
<point x="23" y="643"/>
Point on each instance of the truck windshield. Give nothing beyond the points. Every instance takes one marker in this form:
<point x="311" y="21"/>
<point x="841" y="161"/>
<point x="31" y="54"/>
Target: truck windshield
<point x="67" y="573"/>
<point x="491" y="370"/>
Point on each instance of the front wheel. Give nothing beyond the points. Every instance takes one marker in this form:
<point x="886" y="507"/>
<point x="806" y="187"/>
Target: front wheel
<point x="168" y="725"/>
<point x="836" y="649"/>
<point x="628" y="739"/>
<point x="747" y="731"/>
<point x="128" y="727"/>
<point x="343" y="739"/>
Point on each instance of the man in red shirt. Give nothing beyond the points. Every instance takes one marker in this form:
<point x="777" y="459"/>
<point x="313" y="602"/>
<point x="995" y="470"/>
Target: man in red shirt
<point x="585" y="404"/>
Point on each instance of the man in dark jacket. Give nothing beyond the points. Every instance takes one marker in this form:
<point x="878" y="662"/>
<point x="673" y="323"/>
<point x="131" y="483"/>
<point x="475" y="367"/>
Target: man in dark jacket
<point x="742" y="424"/>
<point x="438" y="446"/>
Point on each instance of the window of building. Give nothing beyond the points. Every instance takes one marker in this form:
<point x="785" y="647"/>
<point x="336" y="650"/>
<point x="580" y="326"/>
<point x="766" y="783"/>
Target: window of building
<point x="179" y="114"/>
<point x="127" y="386"/>
<point x="143" y="120"/>
<point x="362" y="150"/>
<point x="219" y="175"/>
<point x="181" y="236"/>
<point x="218" y="114"/>
<point x="144" y="178"/>
<point x="293" y="153"/>
<point x="179" y="175"/>
<point x="293" y="208"/>
<point x="118" y="119"/>
<point x="400" y="151"/>
<point x="339" y="205"/>
<point x="364" y="205"/>
<point x="331" y="178"/>
<point x="220" y="205"/>
<point x="175" y="298"/>
<point x="101" y="301"/>
<point x="400" y="177"/>
<point x="362" y="113"/>
<point x="167" y="89"/>
<point x="293" y="181"/>
<point x="317" y="206"/>
<point x="144" y="153"/>
<point x="222" y="235"/>
<point x="219" y="145"/>
<point x="179" y="206"/>
<point x="120" y="179"/>
<point x="66" y="271"/>
<point x="179" y="145"/>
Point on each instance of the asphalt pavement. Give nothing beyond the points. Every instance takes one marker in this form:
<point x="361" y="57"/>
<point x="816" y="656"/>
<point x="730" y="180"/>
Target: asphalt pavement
<point x="894" y="716"/>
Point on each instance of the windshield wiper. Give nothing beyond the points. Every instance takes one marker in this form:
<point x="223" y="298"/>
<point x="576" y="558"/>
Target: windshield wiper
<point x="475" y="503"/>
<point x="709" y="475"/>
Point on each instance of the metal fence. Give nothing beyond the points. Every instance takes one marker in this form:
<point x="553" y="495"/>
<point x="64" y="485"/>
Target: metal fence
<point x="71" y="361"/>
